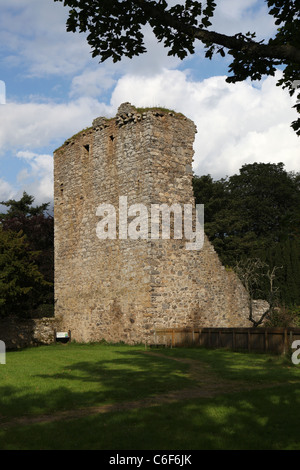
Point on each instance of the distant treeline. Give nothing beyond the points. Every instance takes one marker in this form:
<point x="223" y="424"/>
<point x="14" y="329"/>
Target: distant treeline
<point x="256" y="214"/>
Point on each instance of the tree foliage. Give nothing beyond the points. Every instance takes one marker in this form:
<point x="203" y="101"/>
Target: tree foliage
<point x="28" y="228"/>
<point x="22" y="208"/>
<point x="114" y="29"/>
<point x="256" y="214"/>
<point x="20" y="279"/>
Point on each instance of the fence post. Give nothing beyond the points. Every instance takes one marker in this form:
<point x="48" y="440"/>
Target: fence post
<point x="266" y="341"/>
<point x="283" y="336"/>
<point x="285" y="341"/>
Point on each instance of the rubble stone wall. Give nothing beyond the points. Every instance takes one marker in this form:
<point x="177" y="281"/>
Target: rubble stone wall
<point x="122" y="289"/>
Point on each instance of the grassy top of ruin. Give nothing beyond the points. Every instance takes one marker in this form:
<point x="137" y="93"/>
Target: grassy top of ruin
<point x="86" y="129"/>
<point x="158" y="109"/>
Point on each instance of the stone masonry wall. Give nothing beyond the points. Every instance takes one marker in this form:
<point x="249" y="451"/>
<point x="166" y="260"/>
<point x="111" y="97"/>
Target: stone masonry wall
<point x="122" y="289"/>
<point x="23" y="332"/>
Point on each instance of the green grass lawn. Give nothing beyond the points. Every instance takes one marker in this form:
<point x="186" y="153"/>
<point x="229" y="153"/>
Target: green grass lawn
<point x="261" y="414"/>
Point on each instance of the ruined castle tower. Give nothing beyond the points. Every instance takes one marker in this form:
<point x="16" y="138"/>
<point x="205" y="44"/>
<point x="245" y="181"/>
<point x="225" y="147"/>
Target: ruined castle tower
<point x="121" y="288"/>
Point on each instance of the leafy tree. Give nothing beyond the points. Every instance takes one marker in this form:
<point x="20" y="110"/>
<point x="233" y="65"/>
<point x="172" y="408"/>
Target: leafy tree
<point x="256" y="209"/>
<point x="38" y="227"/>
<point x="287" y="255"/>
<point x="212" y="192"/>
<point x="22" y="208"/>
<point x="20" y="279"/>
<point x="115" y="29"/>
<point x="256" y="216"/>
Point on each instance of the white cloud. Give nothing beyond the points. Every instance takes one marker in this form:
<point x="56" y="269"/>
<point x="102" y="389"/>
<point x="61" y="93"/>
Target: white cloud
<point x="34" y="125"/>
<point x="35" y="37"/>
<point x="235" y="16"/>
<point x="2" y="92"/>
<point x="37" y="177"/>
<point x="236" y="124"/>
<point x="96" y="78"/>
<point x="92" y="82"/>
<point x="28" y="127"/>
<point x="6" y="191"/>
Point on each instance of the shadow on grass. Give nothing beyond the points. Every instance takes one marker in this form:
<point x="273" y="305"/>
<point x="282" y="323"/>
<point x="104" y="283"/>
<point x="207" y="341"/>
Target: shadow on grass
<point x="256" y="420"/>
<point x="260" y="419"/>
<point x="251" y="367"/>
<point x="132" y="375"/>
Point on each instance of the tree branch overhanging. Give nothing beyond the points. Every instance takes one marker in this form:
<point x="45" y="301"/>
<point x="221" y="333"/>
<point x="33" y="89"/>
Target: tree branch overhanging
<point x="252" y="48"/>
<point x="238" y="42"/>
<point x="114" y="30"/>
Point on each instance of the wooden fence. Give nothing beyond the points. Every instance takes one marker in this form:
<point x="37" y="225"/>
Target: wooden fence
<point x="275" y="340"/>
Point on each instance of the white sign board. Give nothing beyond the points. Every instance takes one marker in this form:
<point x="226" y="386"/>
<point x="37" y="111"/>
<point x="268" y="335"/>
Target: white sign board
<point x="62" y="334"/>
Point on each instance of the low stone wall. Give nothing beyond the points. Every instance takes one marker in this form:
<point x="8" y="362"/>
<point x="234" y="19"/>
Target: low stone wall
<point x="20" y="333"/>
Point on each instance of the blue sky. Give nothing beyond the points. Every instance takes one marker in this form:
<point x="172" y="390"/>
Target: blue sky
<point x="54" y="88"/>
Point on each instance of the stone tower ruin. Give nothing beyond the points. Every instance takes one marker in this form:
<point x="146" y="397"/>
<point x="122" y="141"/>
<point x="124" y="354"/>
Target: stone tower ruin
<point x="118" y="288"/>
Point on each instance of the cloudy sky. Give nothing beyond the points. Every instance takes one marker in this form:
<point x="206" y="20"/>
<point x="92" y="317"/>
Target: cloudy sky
<point x="51" y="88"/>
